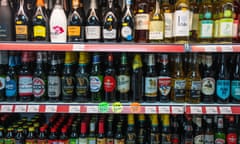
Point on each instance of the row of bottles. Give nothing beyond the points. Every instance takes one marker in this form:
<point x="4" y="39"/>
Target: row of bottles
<point x="161" y="21"/>
<point x="121" y="129"/>
<point x="111" y="77"/>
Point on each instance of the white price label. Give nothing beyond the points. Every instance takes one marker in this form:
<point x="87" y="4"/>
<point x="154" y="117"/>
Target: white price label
<point x="177" y="109"/>
<point x="225" y="110"/>
<point x="33" y="108"/>
<point x="78" y="47"/>
<point x="20" y="108"/>
<point x="226" y="48"/>
<point x="6" y="108"/>
<point x="74" y="109"/>
<point x="211" y="110"/>
<point x="164" y="109"/>
<point x="210" y="48"/>
<point x="196" y="110"/>
<point x="92" y="109"/>
<point x="150" y="110"/>
<point x="51" y="108"/>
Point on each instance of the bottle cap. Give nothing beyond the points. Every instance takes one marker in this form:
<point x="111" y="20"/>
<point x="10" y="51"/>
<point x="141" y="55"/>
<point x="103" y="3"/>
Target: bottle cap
<point x="130" y="119"/>
<point x="123" y="58"/>
<point x="151" y="60"/>
<point x="83" y="127"/>
<point x="75" y="4"/>
<point x="154" y="119"/>
<point x="141" y="117"/>
<point x="137" y="61"/>
<point x="53" y="130"/>
<point x="101" y="127"/>
<point x="3" y="57"/>
<point x="96" y="59"/>
<point x="31" y="129"/>
<point x="40" y="3"/>
<point x="39" y="57"/>
<point x="83" y="58"/>
<point x="68" y="58"/>
<point x="42" y="129"/>
<point x="165" y="120"/>
<point x="25" y="57"/>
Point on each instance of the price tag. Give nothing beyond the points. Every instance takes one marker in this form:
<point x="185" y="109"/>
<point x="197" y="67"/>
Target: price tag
<point x="211" y="110"/>
<point x="92" y="109"/>
<point x="135" y="107"/>
<point x="150" y="110"/>
<point x="226" y="48"/>
<point x="103" y="107"/>
<point x="177" y="110"/>
<point x="51" y="108"/>
<point x="78" y="47"/>
<point x="74" y="109"/>
<point x="6" y="108"/>
<point x="20" y="108"/>
<point x="196" y="110"/>
<point x="210" y="48"/>
<point x="225" y="110"/>
<point x="33" y="108"/>
<point x="164" y="109"/>
<point x="117" y="107"/>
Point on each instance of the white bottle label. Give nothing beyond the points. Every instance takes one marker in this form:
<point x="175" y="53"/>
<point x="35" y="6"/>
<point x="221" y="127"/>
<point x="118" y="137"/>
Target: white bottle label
<point x="156" y="30"/>
<point x="54" y="86"/>
<point x="151" y="86"/>
<point x="168" y="25"/>
<point x="206" y="29"/>
<point x="25" y="85"/>
<point x="93" y="32"/>
<point x="181" y="24"/>
<point x="2" y="83"/>
<point x="142" y="21"/>
<point x="123" y="84"/>
<point x="109" y="34"/>
<point x="226" y="27"/>
<point x="58" y="25"/>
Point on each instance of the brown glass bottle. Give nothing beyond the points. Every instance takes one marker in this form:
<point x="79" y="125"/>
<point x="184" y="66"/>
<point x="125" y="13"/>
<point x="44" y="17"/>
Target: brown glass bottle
<point x="142" y="18"/>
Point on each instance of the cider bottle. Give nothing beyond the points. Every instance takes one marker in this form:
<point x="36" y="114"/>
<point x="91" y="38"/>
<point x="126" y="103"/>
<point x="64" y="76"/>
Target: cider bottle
<point x="167" y="9"/>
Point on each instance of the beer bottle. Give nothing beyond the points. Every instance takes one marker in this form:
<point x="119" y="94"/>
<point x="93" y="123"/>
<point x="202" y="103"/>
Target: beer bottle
<point x="127" y="22"/>
<point x="92" y="135"/>
<point x="137" y="79"/>
<point x="83" y="133"/>
<point x="109" y="80"/>
<point x="166" y="130"/>
<point x="219" y="136"/>
<point x="119" y="137"/>
<point x="151" y="79"/>
<point x="154" y="131"/>
<point x="208" y="80"/>
<point x="2" y="134"/>
<point x="96" y="79"/>
<point x="19" y="137"/>
<point x="63" y="138"/>
<point x="235" y="82"/>
<point x="74" y="137"/>
<point x="25" y="79"/>
<point x="142" y="19"/>
<point x="131" y="137"/>
<point x="178" y="81"/>
<point x="75" y="23"/>
<point x="110" y="132"/>
<point x="42" y="137"/>
<point x="188" y="131"/>
<point x="53" y="138"/>
<point x="3" y="73"/>
<point x="209" y="132"/>
<point x="82" y="78"/>
<point x="54" y="81"/>
<point x="101" y="139"/>
<point x="156" y="24"/>
<point x="194" y="81"/>
<point x="164" y="79"/>
<point x="167" y="9"/>
<point x="31" y="138"/>
<point x="123" y="79"/>
<point x="223" y="81"/>
<point x="67" y="80"/>
<point x="198" y="130"/>
<point x="9" y="138"/>
<point x="231" y="134"/>
<point x="40" y="79"/>
<point x="141" y="131"/>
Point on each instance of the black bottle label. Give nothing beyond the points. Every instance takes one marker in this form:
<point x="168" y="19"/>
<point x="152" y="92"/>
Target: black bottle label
<point x="67" y="86"/>
<point x="82" y="86"/>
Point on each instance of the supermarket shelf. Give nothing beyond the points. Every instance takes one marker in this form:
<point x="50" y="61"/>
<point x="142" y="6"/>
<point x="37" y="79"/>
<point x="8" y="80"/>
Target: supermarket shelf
<point x="214" y="48"/>
<point x="94" y="47"/>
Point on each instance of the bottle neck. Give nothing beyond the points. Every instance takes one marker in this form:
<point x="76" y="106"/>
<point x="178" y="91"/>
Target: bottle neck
<point x="157" y="7"/>
<point x="110" y="4"/>
<point x="93" y="4"/>
<point x="40" y="3"/>
<point x="75" y="4"/>
<point x="4" y="3"/>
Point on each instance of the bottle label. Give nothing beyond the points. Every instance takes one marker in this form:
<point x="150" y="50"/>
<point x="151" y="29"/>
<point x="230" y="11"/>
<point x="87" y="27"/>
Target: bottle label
<point x="25" y="85"/>
<point x="232" y="138"/>
<point x="235" y="89"/>
<point x="39" y="31"/>
<point x="223" y="89"/>
<point x="73" y="141"/>
<point x="188" y="141"/>
<point x="82" y="86"/>
<point x="63" y="142"/>
<point x="195" y="91"/>
<point x="142" y="21"/>
<point x="58" y="33"/>
<point x="151" y="86"/>
<point x="3" y="31"/>
<point x="123" y="84"/>
<point x="206" y="29"/>
<point x="199" y="139"/>
<point x="101" y="141"/>
<point x="109" y="83"/>
<point x="95" y="83"/>
<point x="93" y="32"/>
<point x="156" y="30"/>
<point x="74" y="31"/>
<point x="2" y="83"/>
<point x="67" y="85"/>
<point x="131" y="138"/>
<point x="19" y="141"/>
<point x="208" y="86"/>
<point x="119" y="141"/>
<point x="179" y="88"/>
<point x="226" y="27"/>
<point x="164" y="85"/>
<point x="30" y="141"/>
<point x="54" y="86"/>
<point x="181" y="23"/>
<point x="166" y="139"/>
<point x="219" y="141"/>
<point x="21" y="32"/>
<point x="208" y="139"/>
<point x="42" y="142"/>
<point x="154" y="138"/>
<point x="11" y="87"/>
<point x="39" y="87"/>
<point x="83" y="141"/>
<point x="91" y="141"/>
<point x="109" y="34"/>
<point x="9" y="141"/>
<point x="235" y="28"/>
<point x="168" y="25"/>
<point x="127" y="33"/>
<point x="53" y="142"/>
<point x="109" y="141"/>
<point x="175" y="139"/>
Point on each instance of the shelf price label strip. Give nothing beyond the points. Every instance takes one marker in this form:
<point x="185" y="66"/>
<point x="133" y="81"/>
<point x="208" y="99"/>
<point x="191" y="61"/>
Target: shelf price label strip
<point x="215" y="48"/>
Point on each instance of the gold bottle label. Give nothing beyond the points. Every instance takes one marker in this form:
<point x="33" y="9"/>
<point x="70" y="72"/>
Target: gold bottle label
<point x="39" y="31"/>
<point x="21" y="30"/>
<point x="74" y="30"/>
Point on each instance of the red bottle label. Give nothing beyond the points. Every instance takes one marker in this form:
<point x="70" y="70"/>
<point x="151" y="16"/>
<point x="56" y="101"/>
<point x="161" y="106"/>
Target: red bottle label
<point x="63" y="142"/>
<point x="53" y="142"/>
<point x="42" y="142"/>
<point x="109" y="83"/>
<point x="232" y="138"/>
<point x="164" y="85"/>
